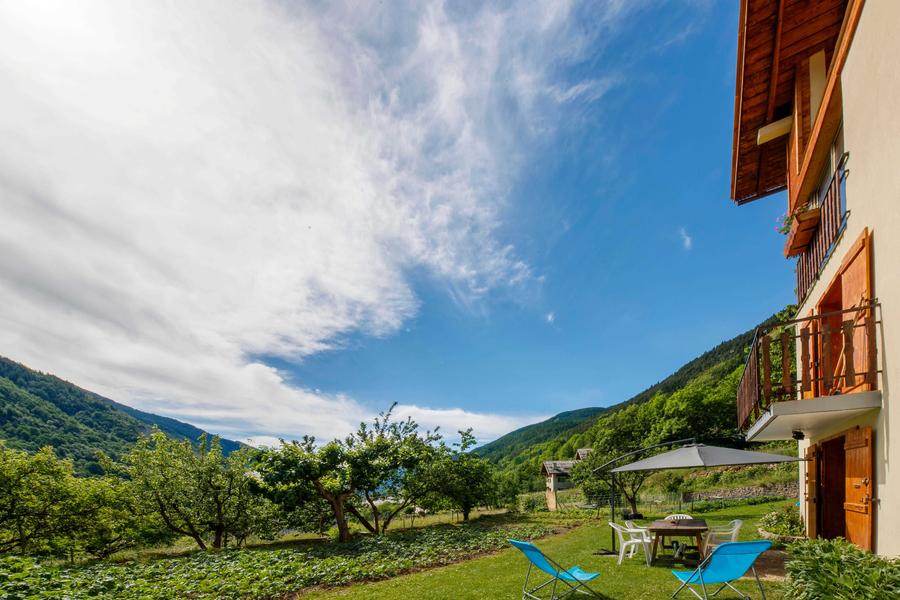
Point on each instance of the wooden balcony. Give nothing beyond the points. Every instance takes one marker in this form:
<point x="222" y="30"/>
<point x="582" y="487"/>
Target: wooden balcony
<point x="825" y="355"/>
<point x="815" y="231"/>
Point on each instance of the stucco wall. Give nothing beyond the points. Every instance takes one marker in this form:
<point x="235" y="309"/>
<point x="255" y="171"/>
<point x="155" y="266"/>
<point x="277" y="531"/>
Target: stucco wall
<point x="871" y="94"/>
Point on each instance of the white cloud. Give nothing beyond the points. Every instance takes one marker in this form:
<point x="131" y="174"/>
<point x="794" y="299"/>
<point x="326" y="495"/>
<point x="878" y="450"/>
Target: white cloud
<point x="186" y="186"/>
<point x="550" y="317"/>
<point x="686" y="240"/>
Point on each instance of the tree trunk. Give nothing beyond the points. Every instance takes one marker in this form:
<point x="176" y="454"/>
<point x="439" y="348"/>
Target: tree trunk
<point x="465" y="513"/>
<point x="217" y="539"/>
<point x="362" y="520"/>
<point x="632" y="502"/>
<point x="337" y="503"/>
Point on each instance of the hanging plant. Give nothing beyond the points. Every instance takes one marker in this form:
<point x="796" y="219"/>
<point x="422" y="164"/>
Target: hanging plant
<point x="784" y="222"/>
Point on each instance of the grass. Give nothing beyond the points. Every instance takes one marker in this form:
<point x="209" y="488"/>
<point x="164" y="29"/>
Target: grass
<point x="501" y="575"/>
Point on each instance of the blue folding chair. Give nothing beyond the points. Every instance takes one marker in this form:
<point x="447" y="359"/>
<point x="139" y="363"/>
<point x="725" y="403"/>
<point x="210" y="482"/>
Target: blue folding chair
<point x="726" y="563"/>
<point x="574" y="578"/>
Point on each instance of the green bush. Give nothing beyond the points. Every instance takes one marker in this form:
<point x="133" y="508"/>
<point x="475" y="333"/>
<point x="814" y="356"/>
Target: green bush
<point x="786" y="521"/>
<point x="838" y="570"/>
<point x="703" y="506"/>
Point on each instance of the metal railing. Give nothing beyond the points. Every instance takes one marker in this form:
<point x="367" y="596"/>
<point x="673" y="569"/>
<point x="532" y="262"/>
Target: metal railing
<point x="823" y="355"/>
<point x="831" y="222"/>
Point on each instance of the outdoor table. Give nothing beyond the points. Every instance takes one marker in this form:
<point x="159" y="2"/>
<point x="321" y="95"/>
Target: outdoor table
<point x="694" y="528"/>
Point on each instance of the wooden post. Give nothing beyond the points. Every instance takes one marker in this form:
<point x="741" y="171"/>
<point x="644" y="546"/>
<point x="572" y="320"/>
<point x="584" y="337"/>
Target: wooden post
<point x="786" y="385"/>
<point x="767" y="370"/>
<point x="871" y="353"/>
<point x="826" y="359"/>
<point x="804" y="359"/>
<point x="849" y="367"/>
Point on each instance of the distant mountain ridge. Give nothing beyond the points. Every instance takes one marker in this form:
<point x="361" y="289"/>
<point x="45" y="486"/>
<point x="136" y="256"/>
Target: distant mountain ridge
<point x="568" y="423"/>
<point x="38" y="409"/>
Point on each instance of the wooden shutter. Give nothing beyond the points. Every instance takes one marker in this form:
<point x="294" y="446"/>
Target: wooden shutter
<point x="859" y="487"/>
<point x="856" y="289"/>
<point x="812" y="491"/>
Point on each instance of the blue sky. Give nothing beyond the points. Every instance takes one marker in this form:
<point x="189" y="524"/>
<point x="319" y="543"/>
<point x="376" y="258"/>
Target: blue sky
<point x="601" y="212"/>
<point x="272" y="219"/>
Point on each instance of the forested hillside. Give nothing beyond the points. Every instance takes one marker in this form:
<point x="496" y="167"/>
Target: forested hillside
<point x="38" y="410"/>
<point x="695" y="401"/>
<point x="564" y="424"/>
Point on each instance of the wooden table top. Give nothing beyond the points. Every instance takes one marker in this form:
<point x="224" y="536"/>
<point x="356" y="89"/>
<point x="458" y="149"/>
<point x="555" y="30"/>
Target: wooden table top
<point x="687" y="526"/>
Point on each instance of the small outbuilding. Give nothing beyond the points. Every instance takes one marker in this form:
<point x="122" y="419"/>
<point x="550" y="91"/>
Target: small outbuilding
<point x="558" y="473"/>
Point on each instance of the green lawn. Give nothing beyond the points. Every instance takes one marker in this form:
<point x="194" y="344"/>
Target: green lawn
<point x="501" y="575"/>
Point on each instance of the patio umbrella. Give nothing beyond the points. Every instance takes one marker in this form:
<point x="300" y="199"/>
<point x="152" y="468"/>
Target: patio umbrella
<point x="700" y="455"/>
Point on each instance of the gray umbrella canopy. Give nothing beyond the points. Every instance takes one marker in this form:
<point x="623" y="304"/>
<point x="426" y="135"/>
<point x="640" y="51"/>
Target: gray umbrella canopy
<point x="699" y="455"/>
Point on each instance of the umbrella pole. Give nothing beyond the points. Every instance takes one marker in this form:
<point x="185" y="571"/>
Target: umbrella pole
<point x="612" y="518"/>
<point x="612" y="508"/>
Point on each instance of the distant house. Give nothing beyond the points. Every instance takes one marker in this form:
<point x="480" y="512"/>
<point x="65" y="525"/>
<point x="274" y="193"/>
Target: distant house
<point x="558" y="473"/>
<point x="816" y="100"/>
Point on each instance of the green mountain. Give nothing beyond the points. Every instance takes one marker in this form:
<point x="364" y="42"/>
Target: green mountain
<point x="709" y="380"/>
<point x="564" y="424"/>
<point x="37" y="410"/>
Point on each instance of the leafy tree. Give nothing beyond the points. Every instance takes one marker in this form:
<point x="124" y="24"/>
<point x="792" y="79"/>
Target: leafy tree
<point x="388" y="460"/>
<point x="508" y="486"/>
<point x="391" y="463"/>
<point x="114" y="519"/>
<point x="196" y="492"/>
<point x="463" y="478"/>
<point x="38" y="500"/>
<point x="625" y="430"/>
<point x="298" y="472"/>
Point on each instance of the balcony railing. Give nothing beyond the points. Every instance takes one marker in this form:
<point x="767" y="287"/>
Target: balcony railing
<point x="831" y="222"/>
<point x="837" y="355"/>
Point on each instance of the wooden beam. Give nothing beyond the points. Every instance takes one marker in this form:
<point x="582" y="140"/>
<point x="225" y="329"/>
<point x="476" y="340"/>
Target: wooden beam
<point x="776" y="55"/>
<point x="830" y="111"/>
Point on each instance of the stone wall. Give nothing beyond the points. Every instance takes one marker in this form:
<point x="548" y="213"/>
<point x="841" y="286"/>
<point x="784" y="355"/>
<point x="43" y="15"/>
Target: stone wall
<point x="788" y="490"/>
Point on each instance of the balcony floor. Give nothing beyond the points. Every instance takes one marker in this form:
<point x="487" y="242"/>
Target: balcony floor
<point x="812" y="416"/>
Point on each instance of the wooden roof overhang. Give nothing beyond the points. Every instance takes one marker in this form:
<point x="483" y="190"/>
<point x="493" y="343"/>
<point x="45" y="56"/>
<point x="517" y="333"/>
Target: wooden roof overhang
<point x="774" y="37"/>
<point x="557" y="467"/>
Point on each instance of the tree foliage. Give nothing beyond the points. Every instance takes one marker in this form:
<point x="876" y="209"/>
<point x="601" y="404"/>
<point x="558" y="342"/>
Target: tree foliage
<point x="462" y="478"/>
<point x="197" y="491"/>
<point x="46" y="509"/>
<point x="388" y="460"/>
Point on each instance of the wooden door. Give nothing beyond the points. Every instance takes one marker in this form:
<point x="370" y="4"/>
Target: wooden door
<point x="812" y="491"/>
<point x="858" y="505"/>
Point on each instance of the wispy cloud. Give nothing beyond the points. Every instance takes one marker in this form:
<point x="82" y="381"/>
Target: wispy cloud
<point x="550" y="317"/>
<point x="184" y="186"/>
<point x="686" y="240"/>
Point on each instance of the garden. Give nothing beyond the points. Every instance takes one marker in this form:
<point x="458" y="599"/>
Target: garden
<point x="463" y="560"/>
<point x="388" y="512"/>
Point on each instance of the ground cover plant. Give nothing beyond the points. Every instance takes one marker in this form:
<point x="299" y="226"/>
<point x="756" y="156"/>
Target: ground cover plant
<point x="264" y="572"/>
<point x="839" y="570"/>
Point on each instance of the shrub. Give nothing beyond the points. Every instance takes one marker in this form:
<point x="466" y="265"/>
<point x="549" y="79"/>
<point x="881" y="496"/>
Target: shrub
<point x="786" y="521"/>
<point x="838" y="570"/>
<point x="702" y="506"/>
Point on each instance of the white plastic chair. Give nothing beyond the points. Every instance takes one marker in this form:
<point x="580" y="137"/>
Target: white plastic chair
<point x="719" y="535"/>
<point x="678" y="517"/>
<point x="630" y="540"/>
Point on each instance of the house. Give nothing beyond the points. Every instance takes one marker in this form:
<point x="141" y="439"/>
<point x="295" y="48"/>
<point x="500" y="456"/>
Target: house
<point x="557" y="473"/>
<point x="817" y="117"/>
